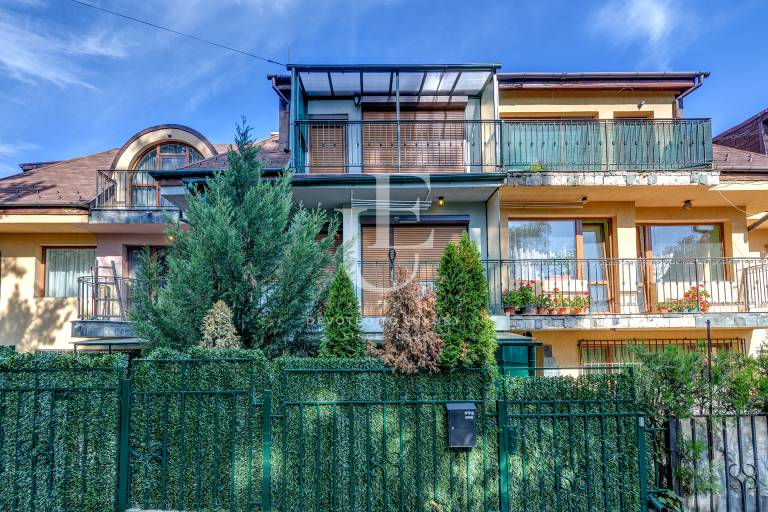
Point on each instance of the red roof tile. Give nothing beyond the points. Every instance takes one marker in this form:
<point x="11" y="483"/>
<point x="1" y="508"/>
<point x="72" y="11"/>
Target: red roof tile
<point x="275" y="156"/>
<point x="728" y="159"/>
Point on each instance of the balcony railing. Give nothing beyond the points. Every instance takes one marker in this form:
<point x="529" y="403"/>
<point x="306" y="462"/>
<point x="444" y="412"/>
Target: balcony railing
<point x="329" y="147"/>
<point x="128" y="190"/>
<point x="103" y="298"/>
<point x="605" y="145"/>
<point x="612" y="286"/>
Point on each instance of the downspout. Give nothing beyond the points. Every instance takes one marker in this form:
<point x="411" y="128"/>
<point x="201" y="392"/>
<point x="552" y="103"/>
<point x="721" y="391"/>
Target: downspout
<point x="279" y="92"/>
<point x="757" y="222"/>
<point x="699" y="81"/>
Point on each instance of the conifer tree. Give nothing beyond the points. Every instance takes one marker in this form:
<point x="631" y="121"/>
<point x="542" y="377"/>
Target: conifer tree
<point x="218" y="330"/>
<point x="342" y="330"/>
<point x="245" y="243"/>
<point x="463" y="321"/>
<point x="410" y="341"/>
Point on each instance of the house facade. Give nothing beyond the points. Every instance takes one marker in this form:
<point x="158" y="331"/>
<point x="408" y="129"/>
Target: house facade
<point x="590" y="188"/>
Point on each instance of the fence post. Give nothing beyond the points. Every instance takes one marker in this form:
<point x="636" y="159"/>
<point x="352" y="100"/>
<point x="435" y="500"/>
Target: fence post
<point x="501" y="413"/>
<point x="123" y="439"/>
<point x="266" y="481"/>
<point x="641" y="469"/>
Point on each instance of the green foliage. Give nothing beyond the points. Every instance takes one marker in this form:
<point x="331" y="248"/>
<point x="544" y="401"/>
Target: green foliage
<point x="410" y="341"/>
<point x="570" y="442"/>
<point x="468" y="332"/>
<point x="412" y="436"/>
<point x="72" y="463"/>
<point x="206" y="406"/>
<point x="245" y="243"/>
<point x="218" y="330"/>
<point x="343" y="333"/>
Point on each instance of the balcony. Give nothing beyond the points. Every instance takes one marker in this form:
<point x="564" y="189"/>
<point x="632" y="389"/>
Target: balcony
<point x="620" y="292"/>
<point x="129" y="197"/>
<point x="606" y="145"/>
<point x="408" y="146"/>
<point x="102" y="307"/>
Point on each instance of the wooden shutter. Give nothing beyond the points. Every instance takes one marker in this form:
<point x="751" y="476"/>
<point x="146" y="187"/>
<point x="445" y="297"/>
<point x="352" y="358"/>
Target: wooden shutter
<point x="420" y="261"/>
<point x="327" y="146"/>
<point x="430" y="141"/>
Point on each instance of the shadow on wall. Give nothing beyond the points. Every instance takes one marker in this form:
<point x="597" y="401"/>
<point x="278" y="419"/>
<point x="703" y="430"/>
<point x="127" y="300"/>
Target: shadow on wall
<point x="29" y="328"/>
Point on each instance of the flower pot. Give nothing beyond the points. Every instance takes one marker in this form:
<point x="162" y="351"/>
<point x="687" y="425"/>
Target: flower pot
<point x="690" y="310"/>
<point x="541" y="310"/>
<point x="510" y="310"/>
<point x="704" y="308"/>
<point x="663" y="311"/>
<point x="563" y="311"/>
<point x="529" y="310"/>
<point x="551" y="311"/>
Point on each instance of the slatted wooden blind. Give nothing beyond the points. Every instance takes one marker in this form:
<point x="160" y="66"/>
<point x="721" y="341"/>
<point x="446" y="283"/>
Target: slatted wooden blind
<point x="328" y="147"/>
<point x="430" y="141"/>
<point x="418" y="249"/>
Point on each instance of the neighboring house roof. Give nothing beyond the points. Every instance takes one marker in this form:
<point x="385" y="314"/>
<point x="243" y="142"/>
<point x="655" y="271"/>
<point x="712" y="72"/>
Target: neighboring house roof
<point x="274" y="154"/>
<point x="61" y="184"/>
<point x="72" y="183"/>
<point x="749" y="134"/>
<point x="737" y="161"/>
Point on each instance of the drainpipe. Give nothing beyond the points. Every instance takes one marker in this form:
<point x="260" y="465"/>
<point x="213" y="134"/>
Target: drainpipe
<point x="699" y="81"/>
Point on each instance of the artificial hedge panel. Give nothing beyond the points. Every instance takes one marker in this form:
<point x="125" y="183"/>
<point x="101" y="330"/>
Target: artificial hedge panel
<point x="196" y="430"/>
<point x="572" y="442"/>
<point x="58" y="431"/>
<point x="353" y="435"/>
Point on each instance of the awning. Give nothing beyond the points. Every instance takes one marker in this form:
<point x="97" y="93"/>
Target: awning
<point x="385" y="79"/>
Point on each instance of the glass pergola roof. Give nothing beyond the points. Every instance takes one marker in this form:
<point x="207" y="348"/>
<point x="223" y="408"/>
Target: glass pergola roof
<point x="384" y="80"/>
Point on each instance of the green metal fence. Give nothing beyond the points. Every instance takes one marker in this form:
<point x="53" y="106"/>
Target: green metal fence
<point x="242" y="434"/>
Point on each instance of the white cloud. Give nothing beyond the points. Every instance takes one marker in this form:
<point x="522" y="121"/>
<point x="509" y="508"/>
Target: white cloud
<point x="649" y="23"/>
<point x="33" y="52"/>
<point x="7" y="149"/>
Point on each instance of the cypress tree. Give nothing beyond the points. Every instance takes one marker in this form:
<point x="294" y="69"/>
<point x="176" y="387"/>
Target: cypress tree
<point x="463" y="321"/>
<point x="343" y="334"/>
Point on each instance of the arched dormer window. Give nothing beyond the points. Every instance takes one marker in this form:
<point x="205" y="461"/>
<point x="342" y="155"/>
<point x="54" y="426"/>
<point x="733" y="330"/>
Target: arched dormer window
<point x="168" y="156"/>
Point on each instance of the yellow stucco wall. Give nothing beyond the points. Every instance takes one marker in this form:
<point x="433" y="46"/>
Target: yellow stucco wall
<point x="28" y="320"/>
<point x="600" y="104"/>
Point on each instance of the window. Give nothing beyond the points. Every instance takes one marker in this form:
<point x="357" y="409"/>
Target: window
<point x="621" y="351"/>
<point x="567" y="255"/>
<point x="134" y="254"/>
<point x="62" y="267"/>
<point x="144" y="189"/>
<point x="684" y="252"/>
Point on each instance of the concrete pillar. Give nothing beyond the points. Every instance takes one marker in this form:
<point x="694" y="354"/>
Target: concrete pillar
<point x="350" y="222"/>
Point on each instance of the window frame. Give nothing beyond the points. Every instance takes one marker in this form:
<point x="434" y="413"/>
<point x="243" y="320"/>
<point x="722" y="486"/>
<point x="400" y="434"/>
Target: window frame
<point x="579" y="233"/>
<point x="143" y="185"/>
<point x="43" y="268"/>
<point x="645" y="247"/>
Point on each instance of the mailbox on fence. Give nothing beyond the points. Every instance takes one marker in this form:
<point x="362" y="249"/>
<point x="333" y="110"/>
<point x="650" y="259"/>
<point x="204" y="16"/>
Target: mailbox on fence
<point x="462" y="425"/>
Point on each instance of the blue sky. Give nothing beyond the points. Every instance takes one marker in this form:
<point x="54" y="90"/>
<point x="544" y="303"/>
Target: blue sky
<point x="74" y="81"/>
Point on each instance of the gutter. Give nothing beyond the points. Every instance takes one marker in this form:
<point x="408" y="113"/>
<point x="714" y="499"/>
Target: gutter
<point x="277" y="90"/>
<point x="699" y="82"/>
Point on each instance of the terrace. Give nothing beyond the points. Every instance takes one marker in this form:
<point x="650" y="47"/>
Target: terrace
<point x="131" y="197"/>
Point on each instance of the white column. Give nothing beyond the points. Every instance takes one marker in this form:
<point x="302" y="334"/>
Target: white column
<point x="350" y="218"/>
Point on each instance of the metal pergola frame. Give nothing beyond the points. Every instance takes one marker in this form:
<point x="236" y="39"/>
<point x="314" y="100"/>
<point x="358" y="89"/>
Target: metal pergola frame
<point x="299" y="91"/>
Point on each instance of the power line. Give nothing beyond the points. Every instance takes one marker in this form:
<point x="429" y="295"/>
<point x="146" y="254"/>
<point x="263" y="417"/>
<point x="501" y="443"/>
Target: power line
<point x="190" y="36"/>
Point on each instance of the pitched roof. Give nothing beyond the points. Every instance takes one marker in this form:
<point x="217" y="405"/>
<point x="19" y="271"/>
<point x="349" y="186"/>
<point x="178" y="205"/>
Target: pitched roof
<point x="66" y="183"/>
<point x="738" y="161"/>
<point x="274" y="154"/>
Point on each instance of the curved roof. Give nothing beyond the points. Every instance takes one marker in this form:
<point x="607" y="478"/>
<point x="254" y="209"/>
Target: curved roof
<point x="160" y="127"/>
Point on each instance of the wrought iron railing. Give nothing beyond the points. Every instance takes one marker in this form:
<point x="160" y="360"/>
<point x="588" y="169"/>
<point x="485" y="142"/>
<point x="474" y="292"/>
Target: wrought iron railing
<point x="128" y="190"/>
<point x="103" y="298"/>
<point x="340" y="146"/>
<point x="616" y="144"/>
<point x="600" y="286"/>
<point x="327" y="147"/>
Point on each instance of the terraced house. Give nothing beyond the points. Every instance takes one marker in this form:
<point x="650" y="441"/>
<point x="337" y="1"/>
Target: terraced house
<point x="591" y="189"/>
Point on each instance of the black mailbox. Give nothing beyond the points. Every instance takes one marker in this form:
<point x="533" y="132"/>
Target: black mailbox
<point x="462" y="425"/>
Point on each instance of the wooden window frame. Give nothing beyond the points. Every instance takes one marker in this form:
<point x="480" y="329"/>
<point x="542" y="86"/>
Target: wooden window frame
<point x="156" y="186"/>
<point x="645" y="247"/>
<point x="41" y="278"/>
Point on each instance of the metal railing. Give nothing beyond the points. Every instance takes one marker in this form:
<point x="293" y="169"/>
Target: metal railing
<point x="595" y="145"/>
<point x="600" y="286"/>
<point x="128" y="190"/>
<point x="103" y="298"/>
<point x="340" y="146"/>
<point x="389" y="147"/>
